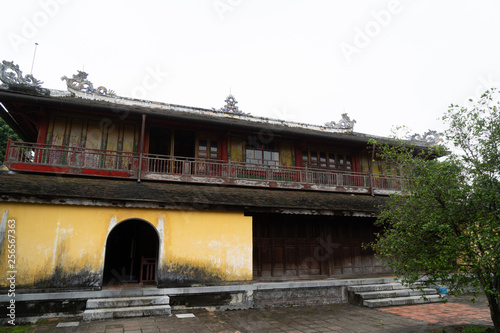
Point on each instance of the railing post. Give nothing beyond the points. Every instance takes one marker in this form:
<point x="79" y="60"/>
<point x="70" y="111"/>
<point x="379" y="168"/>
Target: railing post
<point x="371" y="169"/>
<point x="141" y="148"/>
<point x="7" y="151"/>
<point x="186" y="167"/>
<point x="51" y="155"/>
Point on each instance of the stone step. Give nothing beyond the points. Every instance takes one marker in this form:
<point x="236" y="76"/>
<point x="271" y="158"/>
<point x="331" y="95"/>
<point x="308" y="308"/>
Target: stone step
<point x="392" y="294"/>
<point x="409" y="300"/>
<point x="376" y="287"/>
<point x="120" y="302"/>
<point x="126" y="312"/>
<point x="396" y="293"/>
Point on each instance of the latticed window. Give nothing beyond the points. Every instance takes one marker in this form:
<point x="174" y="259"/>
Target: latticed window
<point x="320" y="159"/>
<point x="208" y="149"/>
<point x="262" y="155"/>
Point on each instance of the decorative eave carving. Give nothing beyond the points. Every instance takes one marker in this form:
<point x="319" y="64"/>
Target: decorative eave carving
<point x="432" y="137"/>
<point x="345" y="124"/>
<point x="79" y="83"/>
<point x="12" y="76"/>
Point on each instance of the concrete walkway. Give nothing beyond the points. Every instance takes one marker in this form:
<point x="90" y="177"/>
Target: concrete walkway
<point x="326" y="318"/>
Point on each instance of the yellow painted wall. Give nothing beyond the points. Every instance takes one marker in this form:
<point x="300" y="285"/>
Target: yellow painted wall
<point x="364" y="161"/>
<point x="66" y="240"/>
<point x="286" y="148"/>
<point x="236" y="149"/>
<point x="365" y="164"/>
<point x="219" y="244"/>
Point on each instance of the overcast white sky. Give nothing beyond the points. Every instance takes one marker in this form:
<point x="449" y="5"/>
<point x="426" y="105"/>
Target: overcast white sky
<point x="385" y="63"/>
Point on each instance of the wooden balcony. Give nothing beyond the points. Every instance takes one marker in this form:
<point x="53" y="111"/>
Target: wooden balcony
<point x="22" y="156"/>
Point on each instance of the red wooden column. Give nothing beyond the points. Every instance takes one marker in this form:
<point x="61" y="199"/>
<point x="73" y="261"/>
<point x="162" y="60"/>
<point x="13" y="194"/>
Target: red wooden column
<point x="43" y="128"/>
<point x="356" y="167"/>
<point x="224" y="147"/>
<point x="298" y="161"/>
<point x="141" y="148"/>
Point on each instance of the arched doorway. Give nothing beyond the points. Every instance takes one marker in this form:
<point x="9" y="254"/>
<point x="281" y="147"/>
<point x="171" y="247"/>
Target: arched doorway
<point x="128" y="244"/>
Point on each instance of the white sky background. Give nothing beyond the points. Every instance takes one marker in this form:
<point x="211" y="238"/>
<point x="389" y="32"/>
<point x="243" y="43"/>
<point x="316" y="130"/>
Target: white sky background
<point x="386" y="63"/>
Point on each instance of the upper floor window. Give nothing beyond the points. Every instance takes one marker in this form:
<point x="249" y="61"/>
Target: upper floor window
<point x="262" y="154"/>
<point x="321" y="159"/>
<point x="208" y="149"/>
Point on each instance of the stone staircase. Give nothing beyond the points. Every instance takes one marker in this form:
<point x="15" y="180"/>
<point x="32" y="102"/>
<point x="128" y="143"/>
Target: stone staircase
<point x="123" y="307"/>
<point x="391" y="294"/>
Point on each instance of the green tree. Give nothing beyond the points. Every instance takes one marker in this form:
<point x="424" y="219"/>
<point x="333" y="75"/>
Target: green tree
<point x="445" y="227"/>
<point x="5" y="132"/>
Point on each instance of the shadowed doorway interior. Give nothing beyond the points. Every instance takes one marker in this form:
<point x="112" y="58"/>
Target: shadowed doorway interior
<point x="131" y="249"/>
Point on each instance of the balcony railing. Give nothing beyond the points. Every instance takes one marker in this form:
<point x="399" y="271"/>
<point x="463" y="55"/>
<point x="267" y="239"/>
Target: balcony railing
<point x="88" y="161"/>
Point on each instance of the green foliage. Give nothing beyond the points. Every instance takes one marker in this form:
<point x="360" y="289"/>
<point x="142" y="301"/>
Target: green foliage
<point x="5" y="132"/>
<point x="14" y="329"/>
<point x="445" y="227"/>
<point x="474" y="329"/>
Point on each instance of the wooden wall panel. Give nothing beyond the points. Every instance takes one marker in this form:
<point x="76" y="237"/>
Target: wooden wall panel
<point x="303" y="247"/>
<point x="76" y="132"/>
<point x="112" y="138"/>
<point x="364" y="160"/>
<point x="59" y="131"/>
<point x="129" y="138"/>
<point x="94" y="135"/>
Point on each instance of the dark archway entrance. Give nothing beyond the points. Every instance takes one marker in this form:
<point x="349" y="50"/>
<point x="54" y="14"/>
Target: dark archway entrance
<point x="127" y="244"/>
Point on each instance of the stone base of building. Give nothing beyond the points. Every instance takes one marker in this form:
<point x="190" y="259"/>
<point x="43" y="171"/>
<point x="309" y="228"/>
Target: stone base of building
<point x="30" y="307"/>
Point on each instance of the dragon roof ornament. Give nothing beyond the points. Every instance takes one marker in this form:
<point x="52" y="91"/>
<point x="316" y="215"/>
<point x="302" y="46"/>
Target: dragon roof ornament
<point x="11" y="75"/>
<point x="432" y="137"/>
<point x="79" y="83"/>
<point x="344" y="124"/>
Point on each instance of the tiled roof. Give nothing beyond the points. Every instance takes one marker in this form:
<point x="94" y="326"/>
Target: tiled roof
<point x="115" y="107"/>
<point x="58" y="189"/>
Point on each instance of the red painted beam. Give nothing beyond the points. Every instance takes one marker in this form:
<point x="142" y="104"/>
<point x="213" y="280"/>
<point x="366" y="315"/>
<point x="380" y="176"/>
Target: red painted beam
<point x="37" y="168"/>
<point x="107" y="173"/>
<point x="69" y="170"/>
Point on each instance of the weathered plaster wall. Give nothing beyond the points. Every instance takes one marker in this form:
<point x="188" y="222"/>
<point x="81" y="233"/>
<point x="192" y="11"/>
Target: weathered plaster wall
<point x="205" y="247"/>
<point x="64" y="246"/>
<point x="93" y="133"/>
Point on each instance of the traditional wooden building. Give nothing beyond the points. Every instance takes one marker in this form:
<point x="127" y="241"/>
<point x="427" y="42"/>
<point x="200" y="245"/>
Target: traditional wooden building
<point x="105" y="189"/>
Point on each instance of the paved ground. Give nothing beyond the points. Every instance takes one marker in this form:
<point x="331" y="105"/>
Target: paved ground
<point x="327" y="318"/>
